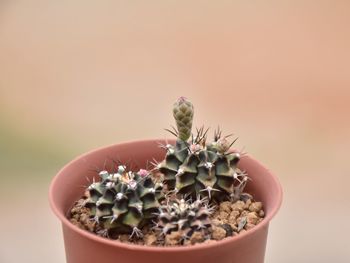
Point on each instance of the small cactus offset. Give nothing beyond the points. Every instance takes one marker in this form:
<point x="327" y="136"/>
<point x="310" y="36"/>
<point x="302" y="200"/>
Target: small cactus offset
<point x="197" y="168"/>
<point x="123" y="202"/>
<point x="183" y="114"/>
<point x="184" y="216"/>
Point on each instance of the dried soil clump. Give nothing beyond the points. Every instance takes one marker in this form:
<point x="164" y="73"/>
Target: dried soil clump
<point x="229" y="219"/>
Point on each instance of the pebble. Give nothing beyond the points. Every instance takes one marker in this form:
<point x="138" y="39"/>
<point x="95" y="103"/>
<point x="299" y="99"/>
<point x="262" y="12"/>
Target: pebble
<point x="247" y="204"/>
<point x="234" y="215"/>
<point x="255" y="207"/>
<point x="244" y="213"/>
<point x="228" y="229"/>
<point x="197" y="237"/>
<point x="234" y="227"/>
<point x="223" y="215"/>
<point x="173" y="238"/>
<point x="261" y="213"/>
<point x="75" y="210"/>
<point x="238" y="206"/>
<point x="252" y="218"/>
<point x="218" y="233"/>
<point x="216" y="221"/>
<point x="77" y="223"/>
<point x="150" y="239"/>
<point x="241" y="221"/>
<point x="226" y="206"/>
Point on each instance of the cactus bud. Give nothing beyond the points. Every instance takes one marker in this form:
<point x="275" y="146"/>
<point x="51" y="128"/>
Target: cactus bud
<point x="183" y="114"/>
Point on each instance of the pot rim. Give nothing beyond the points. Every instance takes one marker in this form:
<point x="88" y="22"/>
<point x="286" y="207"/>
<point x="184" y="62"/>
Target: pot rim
<point x="135" y="247"/>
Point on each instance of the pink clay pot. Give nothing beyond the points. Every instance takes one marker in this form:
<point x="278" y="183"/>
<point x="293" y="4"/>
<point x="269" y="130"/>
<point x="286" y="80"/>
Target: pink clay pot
<point x="84" y="247"/>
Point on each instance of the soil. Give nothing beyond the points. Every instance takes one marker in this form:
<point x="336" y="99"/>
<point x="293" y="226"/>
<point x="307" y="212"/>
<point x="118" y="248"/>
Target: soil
<point x="229" y="219"/>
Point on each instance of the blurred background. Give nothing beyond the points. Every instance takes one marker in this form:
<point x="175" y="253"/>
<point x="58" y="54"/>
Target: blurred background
<point x="76" y="75"/>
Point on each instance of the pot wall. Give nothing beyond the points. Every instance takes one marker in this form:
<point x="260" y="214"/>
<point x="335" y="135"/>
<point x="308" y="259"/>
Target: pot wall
<point x="79" y="249"/>
<point x="84" y="247"/>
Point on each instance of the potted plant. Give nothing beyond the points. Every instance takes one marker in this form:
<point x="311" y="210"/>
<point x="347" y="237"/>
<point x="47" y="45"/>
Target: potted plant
<point x="199" y="202"/>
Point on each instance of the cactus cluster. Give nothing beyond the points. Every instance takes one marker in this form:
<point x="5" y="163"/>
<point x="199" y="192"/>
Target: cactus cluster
<point x="194" y="167"/>
<point x="123" y="202"/>
<point x="184" y="216"/>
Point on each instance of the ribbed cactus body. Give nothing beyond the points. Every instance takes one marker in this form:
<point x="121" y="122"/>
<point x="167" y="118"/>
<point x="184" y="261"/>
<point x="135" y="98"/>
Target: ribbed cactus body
<point x="194" y="170"/>
<point x="122" y="202"/>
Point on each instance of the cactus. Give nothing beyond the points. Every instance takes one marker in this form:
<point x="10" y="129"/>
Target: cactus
<point x="183" y="114"/>
<point x="184" y="216"/>
<point x="123" y="202"/>
<point x="195" y="167"/>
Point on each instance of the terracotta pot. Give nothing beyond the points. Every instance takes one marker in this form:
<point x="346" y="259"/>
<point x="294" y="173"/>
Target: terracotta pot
<point x="84" y="247"/>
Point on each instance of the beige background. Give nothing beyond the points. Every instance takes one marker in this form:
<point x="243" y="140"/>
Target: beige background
<point x="75" y="75"/>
